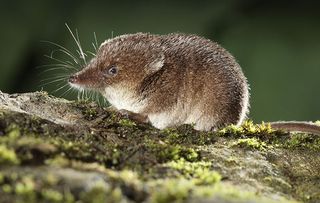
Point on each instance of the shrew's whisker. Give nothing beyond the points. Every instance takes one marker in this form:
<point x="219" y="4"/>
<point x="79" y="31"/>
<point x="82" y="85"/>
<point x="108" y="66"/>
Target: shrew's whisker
<point x="63" y="86"/>
<point x="67" y="91"/>
<point x="54" y="81"/>
<point x="68" y="52"/>
<point x="77" y="41"/>
<point x="57" y="60"/>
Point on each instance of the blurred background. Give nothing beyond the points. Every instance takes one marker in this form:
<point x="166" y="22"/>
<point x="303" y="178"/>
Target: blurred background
<point x="277" y="43"/>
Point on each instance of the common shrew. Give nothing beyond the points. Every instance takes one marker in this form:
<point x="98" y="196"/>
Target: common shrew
<point x="173" y="79"/>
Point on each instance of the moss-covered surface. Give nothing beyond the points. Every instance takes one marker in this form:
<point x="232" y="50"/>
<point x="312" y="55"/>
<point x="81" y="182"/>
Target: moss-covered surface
<point x="53" y="150"/>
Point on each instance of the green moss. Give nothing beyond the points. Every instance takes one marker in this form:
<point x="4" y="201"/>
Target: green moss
<point x="250" y="143"/>
<point x="115" y="195"/>
<point x="171" y="134"/>
<point x="127" y="182"/>
<point x="51" y="195"/>
<point x="1" y="178"/>
<point x="278" y="183"/>
<point x="31" y="149"/>
<point x="8" y="156"/>
<point x="25" y="189"/>
<point x="29" y="188"/>
<point x="167" y="152"/>
<point x="176" y="152"/>
<point x="6" y="188"/>
<point x="85" y="150"/>
<point x="246" y="129"/>
<point x="199" y="172"/>
<point x="89" y="113"/>
<point x="231" y="161"/>
<point x="25" y="185"/>
<point x="185" y="134"/>
<point x="181" y="190"/>
<point x="96" y="195"/>
<point x="300" y="141"/>
<point x="115" y="156"/>
<point x="171" y="190"/>
<point x="13" y="176"/>
<point x="51" y="180"/>
<point x="110" y="143"/>
<point x="35" y="147"/>
<point x="127" y="123"/>
<point x="234" y="194"/>
<point x="89" y="109"/>
<point x="68" y="197"/>
<point x="262" y="136"/>
<point x="58" y="161"/>
<point x="13" y="131"/>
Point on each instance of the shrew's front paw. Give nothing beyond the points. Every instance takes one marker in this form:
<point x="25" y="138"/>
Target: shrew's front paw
<point x="133" y="116"/>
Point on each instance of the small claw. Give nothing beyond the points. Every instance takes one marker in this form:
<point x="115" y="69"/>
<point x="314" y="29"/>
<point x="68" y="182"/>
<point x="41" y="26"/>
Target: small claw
<point x="133" y="116"/>
<point x="124" y="113"/>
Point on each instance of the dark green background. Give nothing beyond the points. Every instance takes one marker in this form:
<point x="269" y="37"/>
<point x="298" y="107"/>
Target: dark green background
<point x="277" y="43"/>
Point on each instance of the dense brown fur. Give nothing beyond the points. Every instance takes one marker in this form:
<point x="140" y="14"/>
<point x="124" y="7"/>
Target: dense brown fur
<point x="182" y="78"/>
<point x="171" y="80"/>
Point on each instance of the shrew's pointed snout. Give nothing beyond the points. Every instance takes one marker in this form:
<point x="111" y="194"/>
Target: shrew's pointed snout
<point x="87" y="78"/>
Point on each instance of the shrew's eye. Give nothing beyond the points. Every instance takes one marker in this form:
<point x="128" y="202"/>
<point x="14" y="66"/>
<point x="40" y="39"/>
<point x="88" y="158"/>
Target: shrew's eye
<point x="112" y="70"/>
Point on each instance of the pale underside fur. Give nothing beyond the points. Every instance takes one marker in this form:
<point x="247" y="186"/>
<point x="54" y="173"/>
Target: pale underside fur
<point x="123" y="98"/>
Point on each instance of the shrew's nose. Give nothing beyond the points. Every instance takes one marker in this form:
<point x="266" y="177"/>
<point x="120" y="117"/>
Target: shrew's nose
<point x="73" y="79"/>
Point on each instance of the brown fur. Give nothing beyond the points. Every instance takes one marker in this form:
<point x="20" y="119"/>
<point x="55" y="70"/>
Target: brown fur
<point x="187" y="78"/>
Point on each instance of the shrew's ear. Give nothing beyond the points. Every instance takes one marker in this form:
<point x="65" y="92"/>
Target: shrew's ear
<point x="156" y="64"/>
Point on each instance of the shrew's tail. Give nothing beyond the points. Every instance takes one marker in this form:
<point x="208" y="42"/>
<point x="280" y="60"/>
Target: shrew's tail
<point x="296" y="126"/>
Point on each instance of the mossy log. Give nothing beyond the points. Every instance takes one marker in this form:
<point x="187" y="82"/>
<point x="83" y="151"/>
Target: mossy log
<point x="54" y="150"/>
